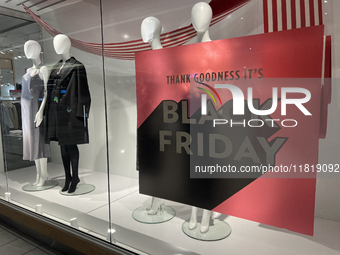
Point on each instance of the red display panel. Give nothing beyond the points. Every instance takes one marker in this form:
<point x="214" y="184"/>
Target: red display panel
<point x="166" y="78"/>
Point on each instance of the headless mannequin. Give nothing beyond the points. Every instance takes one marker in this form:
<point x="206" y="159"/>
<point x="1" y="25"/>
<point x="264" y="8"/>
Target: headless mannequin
<point x="201" y="15"/>
<point x="32" y="51"/>
<point x="69" y="153"/>
<point x="151" y="30"/>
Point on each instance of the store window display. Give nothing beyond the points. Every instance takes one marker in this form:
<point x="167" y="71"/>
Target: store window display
<point x="151" y="29"/>
<point x="157" y="212"/>
<point x="201" y="15"/>
<point x="109" y="91"/>
<point x="67" y="111"/>
<point x="33" y="101"/>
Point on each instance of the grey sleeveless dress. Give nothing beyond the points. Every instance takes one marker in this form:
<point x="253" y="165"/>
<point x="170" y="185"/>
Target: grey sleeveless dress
<point x="32" y="94"/>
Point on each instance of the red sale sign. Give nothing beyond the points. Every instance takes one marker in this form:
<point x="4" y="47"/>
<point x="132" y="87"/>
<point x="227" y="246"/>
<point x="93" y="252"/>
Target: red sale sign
<point x="233" y="125"/>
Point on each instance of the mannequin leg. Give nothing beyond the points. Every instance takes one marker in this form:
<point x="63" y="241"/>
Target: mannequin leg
<point x="150" y="206"/>
<point x="37" y="168"/>
<point x="193" y="218"/>
<point x="156" y="206"/>
<point x="205" y="221"/>
<point x="74" y="157"/>
<point x="42" y="162"/>
<point x="67" y="166"/>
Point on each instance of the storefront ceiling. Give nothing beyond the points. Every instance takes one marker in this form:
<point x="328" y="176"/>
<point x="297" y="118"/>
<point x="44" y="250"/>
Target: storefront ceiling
<point x="14" y="32"/>
<point x="124" y="16"/>
<point x="9" y="23"/>
<point x="38" y="6"/>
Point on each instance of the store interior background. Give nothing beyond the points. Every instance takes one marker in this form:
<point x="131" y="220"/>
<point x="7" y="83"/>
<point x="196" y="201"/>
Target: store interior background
<point x="121" y="19"/>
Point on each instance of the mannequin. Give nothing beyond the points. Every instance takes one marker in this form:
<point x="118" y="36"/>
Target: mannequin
<point x="68" y="108"/>
<point x="70" y="154"/>
<point x="62" y="46"/>
<point x="201" y="15"/>
<point x="151" y="30"/>
<point x="34" y="147"/>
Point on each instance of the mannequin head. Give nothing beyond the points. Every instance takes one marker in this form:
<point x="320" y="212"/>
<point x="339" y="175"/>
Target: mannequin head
<point x="62" y="44"/>
<point x="32" y="50"/>
<point x="151" y="29"/>
<point x="201" y="15"/>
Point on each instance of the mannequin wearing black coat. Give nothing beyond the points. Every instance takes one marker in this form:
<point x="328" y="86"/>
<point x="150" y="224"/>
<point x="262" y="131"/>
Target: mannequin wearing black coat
<point x="67" y="111"/>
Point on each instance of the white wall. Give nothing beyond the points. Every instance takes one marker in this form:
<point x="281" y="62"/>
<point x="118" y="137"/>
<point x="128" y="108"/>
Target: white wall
<point x="328" y="187"/>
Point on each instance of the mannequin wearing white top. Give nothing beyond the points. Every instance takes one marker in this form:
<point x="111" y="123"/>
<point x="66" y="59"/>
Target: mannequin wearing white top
<point x="201" y="15"/>
<point x="32" y="51"/>
<point x="151" y="30"/>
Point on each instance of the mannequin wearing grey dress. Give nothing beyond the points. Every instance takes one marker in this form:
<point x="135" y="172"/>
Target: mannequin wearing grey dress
<point x="32" y="94"/>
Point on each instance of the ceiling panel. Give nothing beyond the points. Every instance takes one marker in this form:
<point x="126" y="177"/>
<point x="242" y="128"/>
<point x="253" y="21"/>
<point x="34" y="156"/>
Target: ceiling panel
<point x="15" y="32"/>
<point x="37" y="6"/>
<point x="9" y="22"/>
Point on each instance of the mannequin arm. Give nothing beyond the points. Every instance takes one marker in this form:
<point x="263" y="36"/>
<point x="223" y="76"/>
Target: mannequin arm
<point x="44" y="75"/>
<point x="84" y="97"/>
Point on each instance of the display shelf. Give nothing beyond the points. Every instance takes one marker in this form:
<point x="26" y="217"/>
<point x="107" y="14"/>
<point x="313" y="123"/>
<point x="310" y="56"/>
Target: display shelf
<point x="91" y="211"/>
<point x="82" y="189"/>
<point x="218" y="230"/>
<point x="164" y="215"/>
<point x="49" y="184"/>
<point x="68" y="207"/>
<point x="247" y="237"/>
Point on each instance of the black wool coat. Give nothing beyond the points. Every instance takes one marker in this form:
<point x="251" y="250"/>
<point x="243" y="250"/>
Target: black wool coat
<point x="68" y="104"/>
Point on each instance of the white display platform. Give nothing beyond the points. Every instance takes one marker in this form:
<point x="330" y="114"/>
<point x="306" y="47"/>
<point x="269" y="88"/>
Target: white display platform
<point x="68" y="207"/>
<point x="91" y="211"/>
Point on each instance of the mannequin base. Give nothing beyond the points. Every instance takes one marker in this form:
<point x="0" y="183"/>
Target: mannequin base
<point x="141" y="215"/>
<point x="80" y="190"/>
<point x="218" y="230"/>
<point x="47" y="185"/>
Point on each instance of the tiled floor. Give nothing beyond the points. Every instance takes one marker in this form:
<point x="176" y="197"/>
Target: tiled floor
<point x="12" y="242"/>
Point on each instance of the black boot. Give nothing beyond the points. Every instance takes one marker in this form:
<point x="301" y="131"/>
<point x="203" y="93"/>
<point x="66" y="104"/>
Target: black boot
<point x="67" y="166"/>
<point x="74" y="157"/>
